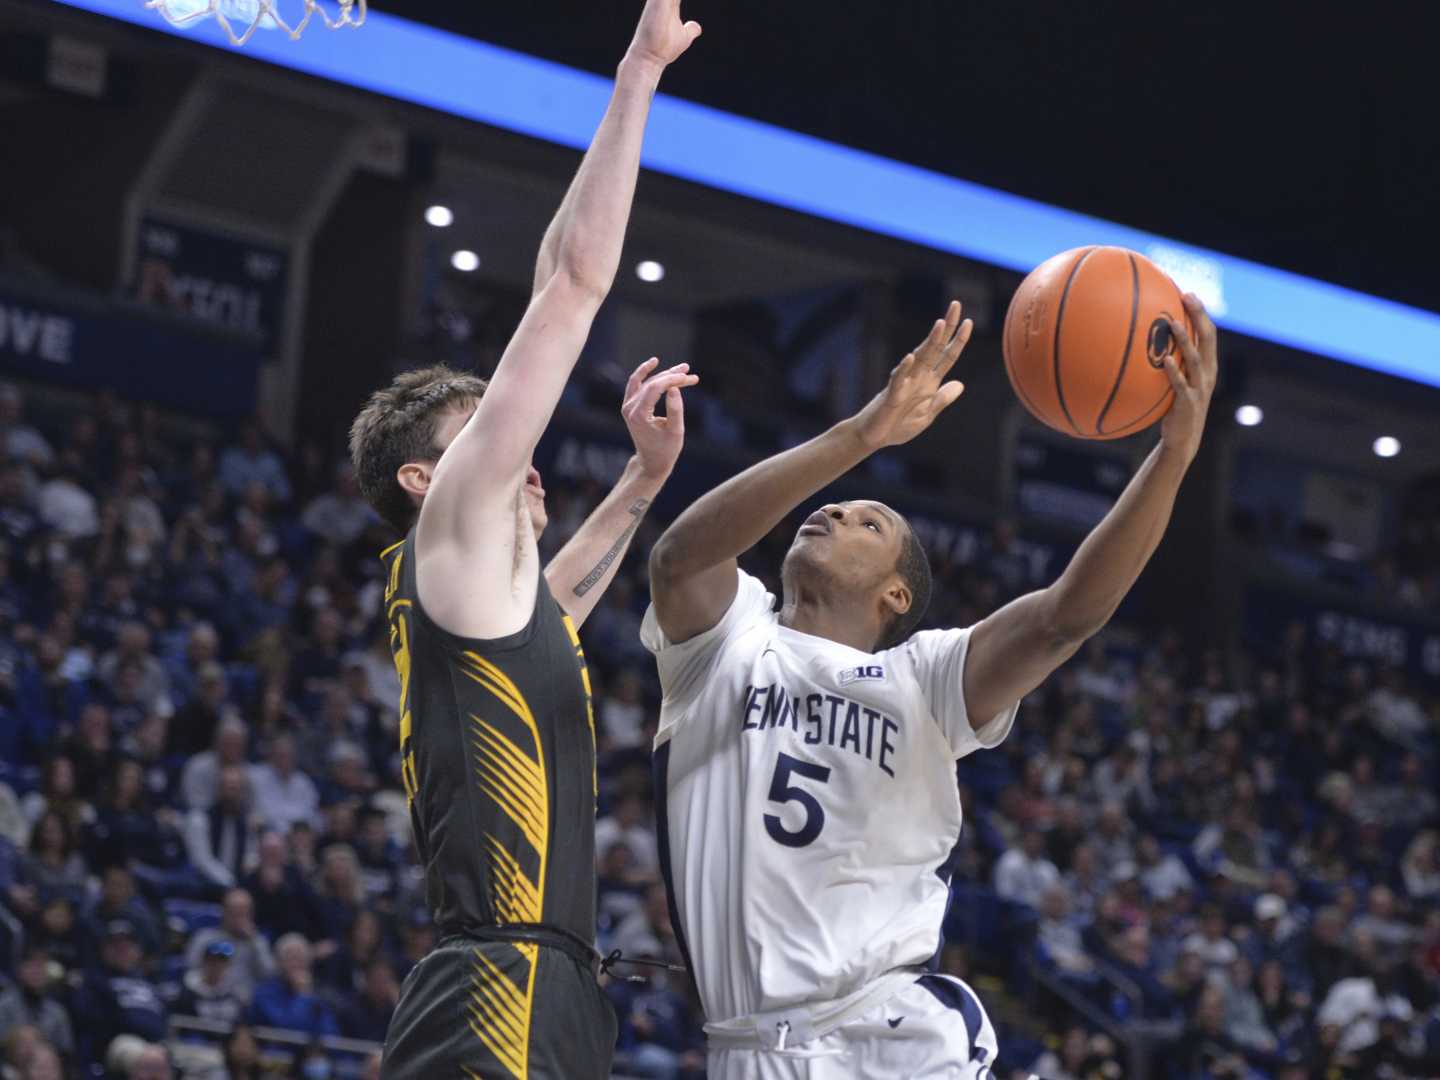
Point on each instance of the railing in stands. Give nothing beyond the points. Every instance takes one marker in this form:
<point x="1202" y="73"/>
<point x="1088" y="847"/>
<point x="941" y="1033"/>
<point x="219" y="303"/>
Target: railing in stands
<point x="190" y="1031"/>
<point x="1139" y="1038"/>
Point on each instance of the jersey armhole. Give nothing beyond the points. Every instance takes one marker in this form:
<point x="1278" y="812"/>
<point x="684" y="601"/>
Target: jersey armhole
<point x="458" y="643"/>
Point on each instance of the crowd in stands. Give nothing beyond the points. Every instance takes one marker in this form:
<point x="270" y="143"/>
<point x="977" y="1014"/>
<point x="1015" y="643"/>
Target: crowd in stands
<point x="201" y="812"/>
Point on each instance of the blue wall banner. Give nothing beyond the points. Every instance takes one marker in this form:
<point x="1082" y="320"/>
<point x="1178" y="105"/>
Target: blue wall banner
<point x="99" y="346"/>
<point x="1388" y="639"/>
<point x="227" y="282"/>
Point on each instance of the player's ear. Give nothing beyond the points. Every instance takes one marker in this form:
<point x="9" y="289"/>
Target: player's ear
<point x="414" y="477"/>
<point x="898" y="598"/>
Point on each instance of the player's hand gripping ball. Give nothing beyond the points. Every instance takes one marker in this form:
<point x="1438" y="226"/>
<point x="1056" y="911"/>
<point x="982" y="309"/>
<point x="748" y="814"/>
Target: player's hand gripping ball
<point x="1086" y="341"/>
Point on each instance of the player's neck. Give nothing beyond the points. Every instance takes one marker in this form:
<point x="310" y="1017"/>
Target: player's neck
<point x="822" y="616"/>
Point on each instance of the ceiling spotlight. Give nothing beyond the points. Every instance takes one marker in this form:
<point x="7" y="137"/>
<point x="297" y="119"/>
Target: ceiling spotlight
<point x="650" y="271"/>
<point x="1249" y="415"/>
<point x="439" y="216"/>
<point x="1386" y="446"/>
<point x="465" y="260"/>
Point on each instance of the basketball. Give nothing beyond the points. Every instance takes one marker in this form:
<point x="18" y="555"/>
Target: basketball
<point x="1085" y="341"/>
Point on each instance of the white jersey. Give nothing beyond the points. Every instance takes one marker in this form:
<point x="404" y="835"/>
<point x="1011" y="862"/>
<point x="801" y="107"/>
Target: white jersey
<point x="808" y="802"/>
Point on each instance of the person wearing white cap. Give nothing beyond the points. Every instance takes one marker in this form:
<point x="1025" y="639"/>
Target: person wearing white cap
<point x="1274" y="937"/>
<point x="1269" y="909"/>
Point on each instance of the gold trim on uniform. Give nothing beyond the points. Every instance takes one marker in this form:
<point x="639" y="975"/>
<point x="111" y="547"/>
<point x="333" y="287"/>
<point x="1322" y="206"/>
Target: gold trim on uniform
<point x="589" y="702"/>
<point x="510" y="778"/>
<point x="500" y="1012"/>
<point x="398" y="615"/>
<point x="516" y="899"/>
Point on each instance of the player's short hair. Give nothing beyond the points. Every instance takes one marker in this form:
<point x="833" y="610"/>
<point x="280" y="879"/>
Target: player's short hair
<point x="397" y="426"/>
<point x="913" y="566"/>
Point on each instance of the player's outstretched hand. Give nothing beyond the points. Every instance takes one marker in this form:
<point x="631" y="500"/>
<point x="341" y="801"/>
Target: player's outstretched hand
<point x="917" y="392"/>
<point x="662" y="35"/>
<point x="658" y="439"/>
<point x="1194" y="385"/>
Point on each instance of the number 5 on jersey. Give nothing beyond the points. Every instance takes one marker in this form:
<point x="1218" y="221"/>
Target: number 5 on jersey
<point x="783" y="791"/>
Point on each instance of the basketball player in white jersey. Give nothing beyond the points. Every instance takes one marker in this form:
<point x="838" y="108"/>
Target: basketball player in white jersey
<point x="806" y="755"/>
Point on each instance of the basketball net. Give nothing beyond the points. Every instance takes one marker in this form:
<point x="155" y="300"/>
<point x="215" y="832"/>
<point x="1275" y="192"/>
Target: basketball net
<point x="252" y="15"/>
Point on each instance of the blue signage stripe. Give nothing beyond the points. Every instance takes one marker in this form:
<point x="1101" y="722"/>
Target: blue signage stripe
<point x="471" y="79"/>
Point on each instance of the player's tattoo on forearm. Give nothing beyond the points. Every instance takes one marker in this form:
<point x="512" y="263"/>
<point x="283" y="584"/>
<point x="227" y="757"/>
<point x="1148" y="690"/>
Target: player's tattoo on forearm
<point x="637" y="511"/>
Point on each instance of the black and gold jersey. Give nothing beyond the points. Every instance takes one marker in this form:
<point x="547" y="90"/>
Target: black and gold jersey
<point x="497" y="747"/>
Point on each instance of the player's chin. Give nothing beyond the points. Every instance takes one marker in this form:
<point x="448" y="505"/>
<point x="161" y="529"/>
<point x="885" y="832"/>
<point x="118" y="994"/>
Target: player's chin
<point x="809" y="551"/>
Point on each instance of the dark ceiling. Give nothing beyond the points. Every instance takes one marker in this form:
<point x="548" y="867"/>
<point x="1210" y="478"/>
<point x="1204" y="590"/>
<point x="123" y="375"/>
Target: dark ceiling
<point x="1303" y="136"/>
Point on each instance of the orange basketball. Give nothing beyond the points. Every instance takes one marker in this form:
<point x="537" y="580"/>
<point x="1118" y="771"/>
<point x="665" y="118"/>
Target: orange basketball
<point x="1085" y="340"/>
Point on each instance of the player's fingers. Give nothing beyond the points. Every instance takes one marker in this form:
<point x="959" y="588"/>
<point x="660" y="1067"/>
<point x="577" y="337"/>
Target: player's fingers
<point x="675" y="409"/>
<point x="955" y="348"/>
<point x="902" y="369"/>
<point x="651" y="390"/>
<point x="935" y="339"/>
<point x="948" y="394"/>
<point x="1204" y="325"/>
<point x="677" y="369"/>
<point x="640" y="391"/>
<point x="1174" y="374"/>
<point x="952" y="320"/>
<point x="1188" y="350"/>
<point x="1207" y="366"/>
<point x="660" y="384"/>
<point x="693" y="30"/>
<point x="638" y="376"/>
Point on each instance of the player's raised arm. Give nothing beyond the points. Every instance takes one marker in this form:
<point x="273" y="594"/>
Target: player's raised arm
<point x="1012" y="651"/>
<point x="582" y="570"/>
<point x="466" y="506"/>
<point x="693" y="565"/>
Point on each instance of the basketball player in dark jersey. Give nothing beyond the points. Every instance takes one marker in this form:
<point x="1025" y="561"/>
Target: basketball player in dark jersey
<point x="496" y="730"/>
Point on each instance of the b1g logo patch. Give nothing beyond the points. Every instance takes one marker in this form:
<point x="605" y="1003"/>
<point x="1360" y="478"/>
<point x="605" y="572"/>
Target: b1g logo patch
<point x="858" y="674"/>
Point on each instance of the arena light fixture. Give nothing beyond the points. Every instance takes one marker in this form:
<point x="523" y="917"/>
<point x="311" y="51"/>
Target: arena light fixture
<point x="1386" y="446"/>
<point x="650" y="271"/>
<point x="440" y="70"/>
<point x="1249" y="415"/>
<point x="465" y="260"/>
<point x="442" y="217"/>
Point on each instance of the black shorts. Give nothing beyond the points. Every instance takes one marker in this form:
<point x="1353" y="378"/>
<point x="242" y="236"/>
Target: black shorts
<point x="500" y="1010"/>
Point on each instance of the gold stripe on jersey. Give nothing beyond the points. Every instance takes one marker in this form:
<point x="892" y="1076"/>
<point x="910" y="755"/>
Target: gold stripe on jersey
<point x="500" y="1013"/>
<point x="512" y="778"/>
<point x="516" y="899"/>
<point x="394" y="582"/>
<point x="589" y="701"/>
<point x="399" y="617"/>
<point x="509" y="777"/>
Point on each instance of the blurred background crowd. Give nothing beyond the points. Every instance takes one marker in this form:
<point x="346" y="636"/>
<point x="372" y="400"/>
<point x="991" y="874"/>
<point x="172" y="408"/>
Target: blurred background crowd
<point x="205" y="868"/>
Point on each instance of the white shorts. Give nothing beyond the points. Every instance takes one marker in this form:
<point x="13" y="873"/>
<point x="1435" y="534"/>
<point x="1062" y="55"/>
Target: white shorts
<point x="934" y="1027"/>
